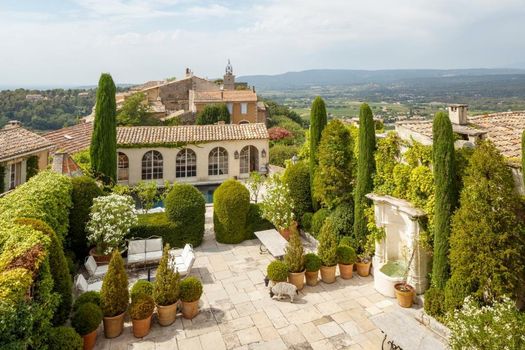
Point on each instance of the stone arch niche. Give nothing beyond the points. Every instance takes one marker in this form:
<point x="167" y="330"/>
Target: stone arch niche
<point x="400" y="220"/>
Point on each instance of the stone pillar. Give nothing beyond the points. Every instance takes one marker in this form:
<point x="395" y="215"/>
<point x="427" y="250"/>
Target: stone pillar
<point x="417" y="275"/>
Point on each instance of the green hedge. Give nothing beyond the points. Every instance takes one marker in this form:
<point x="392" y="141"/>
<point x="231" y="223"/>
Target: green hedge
<point x="231" y="203"/>
<point x="157" y="224"/>
<point x="297" y="178"/>
<point x="318" y="220"/>
<point x="65" y="338"/>
<point x="186" y="208"/>
<point x="255" y="220"/>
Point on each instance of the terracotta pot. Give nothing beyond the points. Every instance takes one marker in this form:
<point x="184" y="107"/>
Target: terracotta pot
<point x="89" y="340"/>
<point x="101" y="259"/>
<point x="405" y="297"/>
<point x="190" y="309"/>
<point x="345" y="271"/>
<point x="166" y="314"/>
<point x="288" y="231"/>
<point x="312" y="278"/>
<point x="328" y="274"/>
<point x="363" y="269"/>
<point x="297" y="279"/>
<point x="141" y="327"/>
<point x="113" y="326"/>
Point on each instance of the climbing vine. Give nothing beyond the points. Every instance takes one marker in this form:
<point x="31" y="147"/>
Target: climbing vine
<point x="32" y="167"/>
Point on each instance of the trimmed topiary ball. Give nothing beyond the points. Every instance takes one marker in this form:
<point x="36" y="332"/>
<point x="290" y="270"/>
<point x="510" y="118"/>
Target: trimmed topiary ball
<point x="87" y="318"/>
<point x="306" y="221"/>
<point x="277" y="271"/>
<point x="64" y="338"/>
<point x="141" y="307"/>
<point x="312" y="262"/>
<point x="190" y="289"/>
<point x="87" y="297"/>
<point x="346" y="255"/>
<point x="318" y="220"/>
<point x="186" y="207"/>
<point x="231" y="202"/>
<point x="141" y="287"/>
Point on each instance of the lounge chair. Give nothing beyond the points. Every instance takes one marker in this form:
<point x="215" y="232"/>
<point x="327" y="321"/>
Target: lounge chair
<point x="179" y="259"/>
<point x="93" y="269"/>
<point x="82" y="286"/>
<point x="184" y="266"/>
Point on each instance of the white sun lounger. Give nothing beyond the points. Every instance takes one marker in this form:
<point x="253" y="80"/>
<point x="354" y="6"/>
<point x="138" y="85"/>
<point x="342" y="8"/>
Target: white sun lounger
<point x="93" y="269"/>
<point x="82" y="286"/>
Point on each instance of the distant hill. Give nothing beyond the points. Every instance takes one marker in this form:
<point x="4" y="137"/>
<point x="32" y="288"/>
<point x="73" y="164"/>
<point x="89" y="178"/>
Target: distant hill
<point x="347" y="77"/>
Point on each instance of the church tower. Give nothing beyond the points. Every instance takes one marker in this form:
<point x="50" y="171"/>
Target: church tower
<point x="229" y="78"/>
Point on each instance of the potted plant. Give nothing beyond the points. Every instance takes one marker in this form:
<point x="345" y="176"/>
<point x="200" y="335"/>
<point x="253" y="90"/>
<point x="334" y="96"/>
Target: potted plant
<point x="327" y="251"/>
<point x="110" y="219"/>
<point x="278" y="207"/>
<point x="141" y="310"/>
<point x="346" y="257"/>
<point x="114" y="296"/>
<point x="312" y="264"/>
<point x="141" y="287"/>
<point x="86" y="320"/>
<point x="364" y="259"/>
<point x="294" y="259"/>
<point x="277" y="271"/>
<point x="190" y="293"/>
<point x="166" y="290"/>
<point x="405" y="292"/>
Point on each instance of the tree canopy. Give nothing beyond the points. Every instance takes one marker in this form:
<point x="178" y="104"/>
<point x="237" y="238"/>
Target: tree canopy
<point x="213" y="113"/>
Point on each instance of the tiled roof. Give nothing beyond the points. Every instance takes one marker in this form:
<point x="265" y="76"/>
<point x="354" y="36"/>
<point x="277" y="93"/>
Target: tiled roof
<point x="17" y="141"/>
<point x="225" y="96"/>
<point x="71" y="139"/>
<point x="127" y="136"/>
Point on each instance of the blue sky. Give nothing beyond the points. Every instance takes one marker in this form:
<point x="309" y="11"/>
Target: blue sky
<point x="51" y="42"/>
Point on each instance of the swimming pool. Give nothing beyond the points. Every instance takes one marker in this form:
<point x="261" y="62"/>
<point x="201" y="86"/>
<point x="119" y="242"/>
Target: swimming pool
<point x="206" y="190"/>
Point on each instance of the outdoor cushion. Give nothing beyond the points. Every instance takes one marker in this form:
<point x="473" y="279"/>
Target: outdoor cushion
<point x="153" y="256"/>
<point x="93" y="269"/>
<point x="137" y="247"/>
<point x="82" y="285"/>
<point x="179" y="259"/>
<point x="154" y="245"/>
<point x="136" y="258"/>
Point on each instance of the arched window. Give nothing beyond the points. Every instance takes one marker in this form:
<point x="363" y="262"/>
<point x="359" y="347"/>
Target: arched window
<point x="218" y="162"/>
<point x="186" y="163"/>
<point x="249" y="160"/>
<point x="152" y="165"/>
<point x="123" y="167"/>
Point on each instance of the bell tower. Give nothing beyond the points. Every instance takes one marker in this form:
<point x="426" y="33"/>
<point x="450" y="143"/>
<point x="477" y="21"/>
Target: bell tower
<point x="229" y="78"/>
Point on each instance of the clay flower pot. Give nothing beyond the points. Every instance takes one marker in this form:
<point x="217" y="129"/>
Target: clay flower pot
<point x="141" y="327"/>
<point x="363" y="268"/>
<point x="113" y="326"/>
<point x="297" y="279"/>
<point x="190" y="309"/>
<point x="404" y="294"/>
<point x="312" y="278"/>
<point x="167" y="314"/>
<point x="89" y="340"/>
<point x="345" y="271"/>
<point x="100" y="259"/>
<point x="328" y="274"/>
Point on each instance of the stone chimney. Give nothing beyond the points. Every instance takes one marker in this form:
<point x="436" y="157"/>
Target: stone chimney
<point x="458" y="114"/>
<point x="189" y="73"/>
<point x="12" y="124"/>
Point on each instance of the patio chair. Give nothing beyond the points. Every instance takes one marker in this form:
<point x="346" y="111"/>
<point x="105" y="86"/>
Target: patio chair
<point x="184" y="267"/>
<point x="82" y="286"/>
<point x="179" y="259"/>
<point x="144" y="251"/>
<point x="93" y="269"/>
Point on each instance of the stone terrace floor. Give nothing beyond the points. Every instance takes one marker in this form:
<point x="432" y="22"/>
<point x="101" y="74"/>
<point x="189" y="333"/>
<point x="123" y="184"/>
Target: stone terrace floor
<point x="236" y="311"/>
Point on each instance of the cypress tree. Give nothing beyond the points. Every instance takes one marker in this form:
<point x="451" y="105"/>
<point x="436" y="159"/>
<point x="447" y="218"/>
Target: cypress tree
<point x="365" y="172"/>
<point x="318" y="120"/>
<point x="522" y="156"/>
<point x="103" y="151"/>
<point x="444" y="166"/>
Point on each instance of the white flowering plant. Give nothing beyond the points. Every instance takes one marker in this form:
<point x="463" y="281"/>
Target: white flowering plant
<point x="277" y="205"/>
<point x="496" y="326"/>
<point x="110" y="219"/>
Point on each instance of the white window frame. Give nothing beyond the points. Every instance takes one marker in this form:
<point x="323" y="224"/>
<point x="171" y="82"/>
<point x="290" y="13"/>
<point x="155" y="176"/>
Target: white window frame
<point x="123" y="167"/>
<point x="186" y="163"/>
<point x="244" y="108"/>
<point x="152" y="165"/>
<point x="218" y="162"/>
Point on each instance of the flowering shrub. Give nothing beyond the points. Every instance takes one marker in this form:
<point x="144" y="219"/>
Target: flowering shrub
<point x="277" y="133"/>
<point x="277" y="206"/>
<point x="111" y="218"/>
<point x="499" y="326"/>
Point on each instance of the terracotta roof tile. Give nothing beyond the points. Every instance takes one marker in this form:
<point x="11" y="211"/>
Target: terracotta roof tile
<point x="225" y="96"/>
<point x="71" y="139"/>
<point x="17" y="141"/>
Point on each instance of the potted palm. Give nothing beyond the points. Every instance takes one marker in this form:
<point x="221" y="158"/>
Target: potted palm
<point x="86" y="320"/>
<point x="327" y="251"/>
<point x="190" y="293"/>
<point x="294" y="259"/>
<point x="277" y="271"/>
<point x="114" y="296"/>
<point x="312" y="265"/>
<point x="346" y="257"/>
<point x="141" y="310"/>
<point x="166" y="290"/>
<point x="278" y="208"/>
<point x="405" y="292"/>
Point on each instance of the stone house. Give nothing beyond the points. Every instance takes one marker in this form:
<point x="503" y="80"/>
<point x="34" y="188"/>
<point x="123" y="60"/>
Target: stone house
<point x="17" y="147"/>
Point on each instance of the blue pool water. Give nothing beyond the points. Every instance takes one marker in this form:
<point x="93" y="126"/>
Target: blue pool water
<point x="206" y="190"/>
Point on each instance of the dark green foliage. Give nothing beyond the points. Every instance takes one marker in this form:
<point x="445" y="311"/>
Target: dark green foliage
<point x="434" y="302"/>
<point x="32" y="167"/>
<point x="103" y="149"/>
<point x="231" y="203"/>
<point x="346" y="254"/>
<point x="59" y="269"/>
<point x="365" y="172"/>
<point x="318" y="220"/>
<point x="387" y="157"/>
<point x="190" y="289"/>
<point x="318" y="120"/>
<point x="166" y="288"/>
<point x="306" y="221"/>
<point x="211" y="114"/>
<point x="343" y="219"/>
<point x="276" y="110"/>
<point x="487" y="241"/>
<point x="444" y="166"/>
<point x="312" y="262"/>
<point x="186" y="207"/>
<point x="333" y="176"/>
<point x="141" y="287"/>
<point x="65" y="338"/>
<point x="277" y="271"/>
<point x="2" y="177"/>
<point x="92" y="297"/>
<point x="84" y="190"/>
<point x="114" y="294"/>
<point x="346" y="240"/>
<point x="327" y="248"/>
<point x="86" y="318"/>
<point x="297" y="178"/>
<point x="157" y="224"/>
<point x="281" y="153"/>
<point x="255" y="220"/>
<point x="141" y="307"/>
